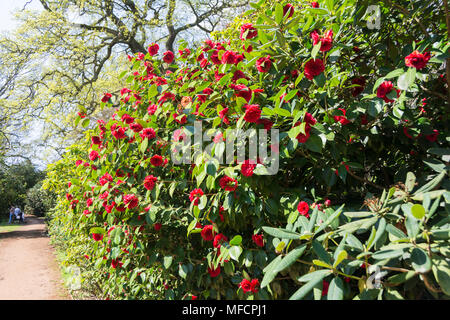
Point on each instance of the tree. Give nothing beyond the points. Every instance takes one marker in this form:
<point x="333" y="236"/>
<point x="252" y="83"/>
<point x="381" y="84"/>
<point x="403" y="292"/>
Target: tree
<point x="72" y="51"/>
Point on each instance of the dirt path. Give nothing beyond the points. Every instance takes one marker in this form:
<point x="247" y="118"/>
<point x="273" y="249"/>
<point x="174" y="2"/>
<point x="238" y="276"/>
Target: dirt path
<point x="28" y="267"/>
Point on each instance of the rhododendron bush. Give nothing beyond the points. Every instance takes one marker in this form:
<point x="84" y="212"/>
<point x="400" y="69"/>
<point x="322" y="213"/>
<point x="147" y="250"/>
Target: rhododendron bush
<point x="362" y="183"/>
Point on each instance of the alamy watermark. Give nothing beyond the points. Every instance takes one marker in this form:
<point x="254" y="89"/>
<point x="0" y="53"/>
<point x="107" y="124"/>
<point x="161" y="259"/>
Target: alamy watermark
<point x="374" y="17"/>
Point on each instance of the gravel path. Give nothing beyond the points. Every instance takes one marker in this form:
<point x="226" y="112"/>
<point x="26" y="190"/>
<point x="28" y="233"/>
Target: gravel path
<point x="28" y="267"/>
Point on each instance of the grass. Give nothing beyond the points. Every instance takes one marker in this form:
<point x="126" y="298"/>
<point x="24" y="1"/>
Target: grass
<point x="5" y="227"/>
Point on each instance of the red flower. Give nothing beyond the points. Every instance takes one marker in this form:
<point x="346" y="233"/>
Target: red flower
<point x="214" y="272"/>
<point x="149" y="182"/>
<point x="106" y="97"/>
<point x="157" y="226"/>
<point x="148" y="133"/>
<point x="156" y="160"/>
<point x="341" y="119"/>
<point x="326" y="40"/>
<point x="219" y="239"/>
<point x="247" y="168"/>
<point x="195" y="195"/>
<point x="384" y="89"/>
<point x="227" y="183"/>
<point x="115" y="263"/>
<point x="288" y="8"/>
<point x="417" y="60"/>
<point x="131" y="200"/>
<point x="89" y="202"/>
<point x="93" y="155"/>
<point x="254" y="284"/>
<point x="136" y="127"/>
<point x="315" y="4"/>
<point x="325" y="285"/>
<point x="118" y="133"/>
<point x="152" y="109"/>
<point x="303" y="208"/>
<point x="263" y="64"/>
<point x="153" y="49"/>
<point x="302" y="138"/>
<point x="229" y="57"/>
<point x="207" y="232"/>
<point x="432" y="137"/>
<point x="241" y="90"/>
<point x="361" y="82"/>
<point x="252" y="113"/>
<point x="96" y="140"/>
<point x="97" y="236"/>
<point x="313" y="68"/>
<point x="248" y="31"/>
<point x="168" y="56"/>
<point x="258" y="240"/>
<point x="127" y="118"/>
<point x="245" y="285"/>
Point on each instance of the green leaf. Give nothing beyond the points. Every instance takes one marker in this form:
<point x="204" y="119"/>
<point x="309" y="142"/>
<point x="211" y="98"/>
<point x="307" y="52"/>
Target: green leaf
<point x="236" y="241"/>
<point x="281" y="233"/>
<point x="321" y="252"/>
<point x="441" y="271"/>
<point x="380" y="231"/>
<point x="269" y="271"/>
<point x="341" y="257"/>
<point x="387" y="254"/>
<point x="313" y="275"/>
<point x="278" y="13"/>
<point x="330" y="219"/>
<point x="235" y="252"/>
<point x="322" y="264"/>
<point x="420" y="260"/>
<point x="306" y="288"/>
<point x="144" y="145"/>
<point x="406" y="79"/>
<point x="314" y="143"/>
<point x="290" y="258"/>
<point x="353" y="242"/>
<point x="336" y="289"/>
<point x="418" y="211"/>
<point x="167" y="261"/>
<point x="401" y="277"/>
<point x="315" y="50"/>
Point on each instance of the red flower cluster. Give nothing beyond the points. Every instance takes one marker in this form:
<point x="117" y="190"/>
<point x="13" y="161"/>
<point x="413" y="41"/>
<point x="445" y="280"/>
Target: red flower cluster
<point x="131" y="201"/>
<point x="252" y="113"/>
<point x="249" y="286"/>
<point x="248" y="31"/>
<point x="303" y="208"/>
<point x="310" y="121"/>
<point x="258" y="240"/>
<point x="417" y="60"/>
<point x="168" y="56"/>
<point x="195" y="196"/>
<point x="263" y="64"/>
<point x="384" y="89"/>
<point x="228" y="184"/>
<point x="313" y="68"/>
<point x="326" y="39"/>
<point x="247" y="168"/>
<point x="149" y="182"/>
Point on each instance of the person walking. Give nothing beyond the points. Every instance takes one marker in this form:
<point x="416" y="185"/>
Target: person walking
<point x="18" y="213"/>
<point x="11" y="214"/>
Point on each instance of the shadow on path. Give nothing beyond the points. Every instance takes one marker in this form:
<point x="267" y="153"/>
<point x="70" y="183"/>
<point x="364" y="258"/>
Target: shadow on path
<point x="33" y="228"/>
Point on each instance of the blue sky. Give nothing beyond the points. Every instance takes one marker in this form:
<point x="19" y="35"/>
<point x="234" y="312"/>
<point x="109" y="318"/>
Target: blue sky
<point x="7" y="7"/>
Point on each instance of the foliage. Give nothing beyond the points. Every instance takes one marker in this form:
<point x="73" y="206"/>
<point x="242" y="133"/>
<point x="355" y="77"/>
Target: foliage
<point x="141" y="226"/>
<point x="39" y="201"/>
<point x="15" y="181"/>
<point x="70" y="52"/>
